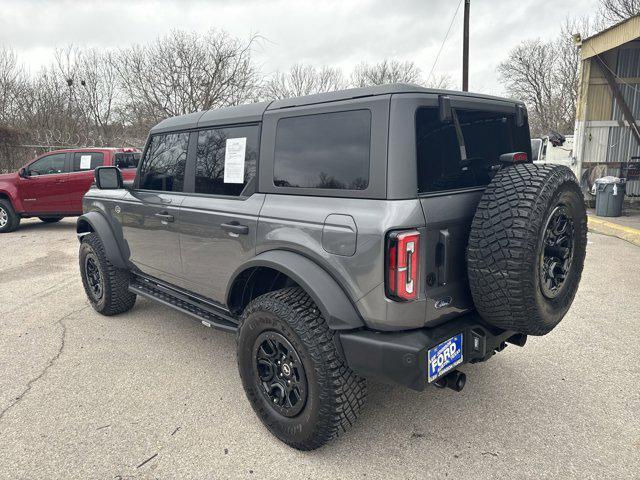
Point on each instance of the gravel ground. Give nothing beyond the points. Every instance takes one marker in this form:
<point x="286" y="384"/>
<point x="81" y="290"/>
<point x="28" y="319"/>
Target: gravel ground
<point x="153" y="394"/>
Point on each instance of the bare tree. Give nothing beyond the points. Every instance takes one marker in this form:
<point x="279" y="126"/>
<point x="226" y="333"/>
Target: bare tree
<point x="544" y="74"/>
<point x="528" y="74"/>
<point x="13" y="82"/>
<point x="442" y="82"/>
<point x="96" y="87"/>
<point x="614" y="11"/>
<point x="387" y="71"/>
<point x="303" y="80"/>
<point x="567" y="67"/>
<point x="186" y="72"/>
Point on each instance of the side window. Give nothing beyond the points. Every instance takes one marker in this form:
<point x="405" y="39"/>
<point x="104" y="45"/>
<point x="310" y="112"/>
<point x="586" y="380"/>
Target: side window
<point x="164" y="163"/>
<point x="127" y="160"/>
<point x="226" y="159"/>
<point x="487" y="135"/>
<point x="49" y="165"/>
<point x="328" y="150"/>
<point x="87" y="161"/>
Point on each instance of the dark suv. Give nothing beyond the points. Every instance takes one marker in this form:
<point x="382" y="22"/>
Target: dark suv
<point x="392" y="233"/>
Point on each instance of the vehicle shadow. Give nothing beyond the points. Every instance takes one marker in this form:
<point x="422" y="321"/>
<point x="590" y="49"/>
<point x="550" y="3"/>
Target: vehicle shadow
<point x="35" y="224"/>
<point x="413" y="419"/>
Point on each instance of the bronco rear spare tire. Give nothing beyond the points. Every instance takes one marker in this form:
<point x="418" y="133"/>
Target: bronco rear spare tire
<point x="527" y="247"/>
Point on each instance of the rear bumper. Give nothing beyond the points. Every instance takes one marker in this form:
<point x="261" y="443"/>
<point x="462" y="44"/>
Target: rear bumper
<point x="401" y="357"/>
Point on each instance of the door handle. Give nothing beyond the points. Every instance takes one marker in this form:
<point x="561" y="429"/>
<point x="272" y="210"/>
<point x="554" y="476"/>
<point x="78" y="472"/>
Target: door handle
<point x="443" y="243"/>
<point x="235" y="227"/>
<point x="165" y="217"/>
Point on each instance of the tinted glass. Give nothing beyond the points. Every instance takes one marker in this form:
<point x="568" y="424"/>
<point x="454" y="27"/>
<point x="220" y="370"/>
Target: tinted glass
<point x="87" y="161"/>
<point x="235" y="148"/>
<point x="49" y="165"/>
<point x="487" y="135"/>
<point x="164" y="163"/>
<point x="127" y="160"/>
<point x="329" y="150"/>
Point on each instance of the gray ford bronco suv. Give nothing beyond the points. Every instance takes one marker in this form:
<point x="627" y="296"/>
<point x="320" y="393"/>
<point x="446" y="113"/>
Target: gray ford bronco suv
<point x="392" y="233"/>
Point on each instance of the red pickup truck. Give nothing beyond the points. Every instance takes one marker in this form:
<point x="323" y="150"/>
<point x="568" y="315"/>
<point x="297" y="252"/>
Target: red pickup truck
<point x="52" y="186"/>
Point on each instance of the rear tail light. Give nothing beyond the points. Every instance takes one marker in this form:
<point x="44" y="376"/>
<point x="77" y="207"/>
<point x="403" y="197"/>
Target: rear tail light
<point x="403" y="261"/>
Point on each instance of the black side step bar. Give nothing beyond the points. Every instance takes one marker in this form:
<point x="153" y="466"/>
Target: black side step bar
<point x="209" y="314"/>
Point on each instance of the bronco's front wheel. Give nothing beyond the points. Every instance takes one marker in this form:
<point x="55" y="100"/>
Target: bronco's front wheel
<point x="292" y="373"/>
<point x="106" y="286"/>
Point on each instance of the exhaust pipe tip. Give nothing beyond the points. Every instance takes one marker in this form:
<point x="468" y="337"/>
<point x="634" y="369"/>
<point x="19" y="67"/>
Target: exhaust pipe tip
<point x="455" y="380"/>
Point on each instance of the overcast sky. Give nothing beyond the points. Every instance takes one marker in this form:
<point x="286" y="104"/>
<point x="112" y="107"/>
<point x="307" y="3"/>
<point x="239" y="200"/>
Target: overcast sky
<point x="336" y="33"/>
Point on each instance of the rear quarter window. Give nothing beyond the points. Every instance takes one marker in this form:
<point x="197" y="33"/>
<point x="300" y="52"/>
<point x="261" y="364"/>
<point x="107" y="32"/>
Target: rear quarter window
<point x="324" y="151"/>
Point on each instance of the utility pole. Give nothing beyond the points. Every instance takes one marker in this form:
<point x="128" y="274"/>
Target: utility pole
<point x="465" y="48"/>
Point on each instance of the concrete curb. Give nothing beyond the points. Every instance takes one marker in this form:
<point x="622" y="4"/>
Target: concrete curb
<point x="605" y="227"/>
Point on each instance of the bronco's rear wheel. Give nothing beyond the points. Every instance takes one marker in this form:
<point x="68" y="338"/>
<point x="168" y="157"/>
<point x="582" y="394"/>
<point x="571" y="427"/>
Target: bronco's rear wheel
<point x="527" y="247"/>
<point x="106" y="286"/>
<point x="292" y="373"/>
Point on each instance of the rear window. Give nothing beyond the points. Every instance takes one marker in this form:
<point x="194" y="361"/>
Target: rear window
<point x="487" y="135"/>
<point x="327" y="150"/>
<point x="226" y="159"/>
<point x="127" y="160"/>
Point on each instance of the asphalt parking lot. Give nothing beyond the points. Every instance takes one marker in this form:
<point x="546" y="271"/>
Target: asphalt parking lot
<point x="153" y="394"/>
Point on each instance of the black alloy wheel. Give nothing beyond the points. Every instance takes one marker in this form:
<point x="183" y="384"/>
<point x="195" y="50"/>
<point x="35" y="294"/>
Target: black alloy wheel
<point x="94" y="277"/>
<point x="292" y="372"/>
<point x="557" y="253"/>
<point x="280" y="373"/>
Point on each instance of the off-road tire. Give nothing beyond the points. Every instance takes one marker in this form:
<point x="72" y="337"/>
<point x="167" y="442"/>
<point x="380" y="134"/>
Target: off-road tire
<point x="335" y="394"/>
<point x="12" y="218"/>
<point x="116" y="297"/>
<point x="50" y="219"/>
<point x="506" y="247"/>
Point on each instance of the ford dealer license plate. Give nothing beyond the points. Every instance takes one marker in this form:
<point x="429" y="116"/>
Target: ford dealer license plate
<point x="445" y="357"/>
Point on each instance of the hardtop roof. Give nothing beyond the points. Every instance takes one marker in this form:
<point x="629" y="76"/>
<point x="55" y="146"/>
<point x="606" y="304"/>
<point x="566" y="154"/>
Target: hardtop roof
<point x="253" y="112"/>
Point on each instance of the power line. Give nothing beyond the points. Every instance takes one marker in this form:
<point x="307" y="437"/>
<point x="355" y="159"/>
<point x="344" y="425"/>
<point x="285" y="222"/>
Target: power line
<point x="445" y="39"/>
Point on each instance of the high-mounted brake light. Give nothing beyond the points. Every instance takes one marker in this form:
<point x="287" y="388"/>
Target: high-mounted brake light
<point x="513" y="157"/>
<point x="403" y="264"/>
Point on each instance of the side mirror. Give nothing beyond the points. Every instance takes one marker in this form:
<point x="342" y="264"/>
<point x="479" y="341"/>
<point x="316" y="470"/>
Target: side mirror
<point x="23" y="172"/>
<point x="444" y="109"/>
<point x="108" y="178"/>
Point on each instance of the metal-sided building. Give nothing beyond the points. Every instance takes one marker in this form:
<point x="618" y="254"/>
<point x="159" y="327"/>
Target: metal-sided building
<point x="607" y="133"/>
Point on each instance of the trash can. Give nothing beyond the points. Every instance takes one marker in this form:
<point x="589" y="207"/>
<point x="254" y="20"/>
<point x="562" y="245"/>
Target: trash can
<point x="609" y="196"/>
